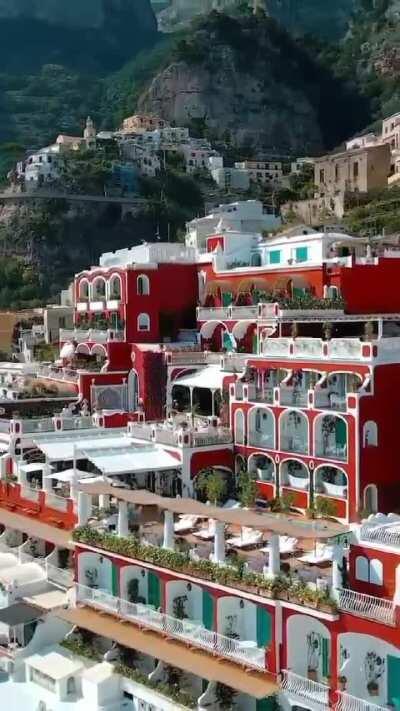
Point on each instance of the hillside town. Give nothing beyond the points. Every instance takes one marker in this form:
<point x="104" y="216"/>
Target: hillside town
<point x="199" y="505"/>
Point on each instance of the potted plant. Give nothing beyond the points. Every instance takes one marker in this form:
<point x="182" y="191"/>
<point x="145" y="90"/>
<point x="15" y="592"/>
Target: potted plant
<point x="374" y="666"/>
<point x="342" y="681"/>
<point x="313" y="655"/>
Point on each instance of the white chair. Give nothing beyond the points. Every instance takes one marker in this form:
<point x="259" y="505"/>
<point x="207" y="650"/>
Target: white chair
<point x="249" y="537"/>
<point x="186" y="523"/>
<point x="206" y="534"/>
<point x="322" y="554"/>
<point x="287" y="544"/>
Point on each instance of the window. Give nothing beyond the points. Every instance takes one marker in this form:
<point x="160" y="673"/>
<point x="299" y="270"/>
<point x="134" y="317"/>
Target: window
<point x="301" y="254"/>
<point x="322" y="175"/>
<point x="355" y="170"/>
<point x="370" y="438"/>
<point x="143" y="285"/>
<point x="336" y="173"/>
<point x="369" y="571"/>
<point x="143" y="322"/>
<point x="275" y="256"/>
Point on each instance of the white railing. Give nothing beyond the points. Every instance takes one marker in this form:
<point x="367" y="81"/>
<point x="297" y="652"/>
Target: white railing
<point x="212" y="313"/>
<point x="347" y="702"/>
<point x="30" y="494"/>
<point x="62" y="577"/>
<point x="246" y="312"/>
<point x="305" y="688"/>
<point x="288" y="395"/>
<point x="54" y="373"/>
<point x="56" y="502"/>
<point x="389" y="535"/>
<point x="41" y="425"/>
<point x="185" y="630"/>
<point x="81" y="422"/>
<point x="308" y="347"/>
<point x="335" y="349"/>
<point x="276" y="346"/>
<point x="5" y="426"/>
<point x="330" y="451"/>
<point x="234" y="362"/>
<point x="141" y="431"/>
<point x="369" y="606"/>
<point x="207" y="439"/>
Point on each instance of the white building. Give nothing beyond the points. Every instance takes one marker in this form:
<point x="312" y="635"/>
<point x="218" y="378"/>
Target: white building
<point x="41" y="168"/>
<point x="242" y="216"/>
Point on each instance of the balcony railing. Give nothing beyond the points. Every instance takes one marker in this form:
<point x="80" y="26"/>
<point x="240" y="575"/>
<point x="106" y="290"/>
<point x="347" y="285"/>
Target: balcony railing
<point x="92" y="335"/>
<point x="293" y="396"/>
<point x="161" y="435"/>
<point x="293" y="443"/>
<point x="347" y="702"/>
<point x="56" y="502"/>
<point x="30" y="494"/>
<point x="388" y="535"/>
<point x="336" y="349"/>
<point x="331" y="451"/>
<point x="305" y="688"/>
<point x="185" y="630"/>
<point x="54" y="373"/>
<point x="64" y="578"/>
<point x="373" y="608"/>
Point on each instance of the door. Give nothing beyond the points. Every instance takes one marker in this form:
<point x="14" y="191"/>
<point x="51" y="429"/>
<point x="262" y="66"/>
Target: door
<point x="341" y="433"/>
<point x="154" y="596"/>
<point x="114" y="580"/>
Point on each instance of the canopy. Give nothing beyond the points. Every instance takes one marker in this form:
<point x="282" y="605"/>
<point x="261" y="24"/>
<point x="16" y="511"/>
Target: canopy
<point x="22" y="573"/>
<point x="132" y="459"/>
<point x="63" y="447"/>
<point x="68" y="475"/>
<point x="19" y="614"/>
<point x="210" y="377"/>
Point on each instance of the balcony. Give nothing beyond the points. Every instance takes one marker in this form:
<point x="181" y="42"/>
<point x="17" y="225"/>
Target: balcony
<point x="346" y="349"/>
<point x="90" y="335"/>
<point x="347" y="702"/>
<point x="290" y="395"/>
<point x="228" y="313"/>
<point x="305" y="688"/>
<point x="145" y="616"/>
<point x="55" y="373"/>
<point x="368" y="606"/>
<point x="176" y="437"/>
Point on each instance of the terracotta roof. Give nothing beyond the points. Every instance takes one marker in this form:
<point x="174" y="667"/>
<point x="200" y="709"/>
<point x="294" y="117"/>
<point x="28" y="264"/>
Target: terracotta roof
<point x="177" y="654"/>
<point x="275" y="523"/>
<point x="36" y="528"/>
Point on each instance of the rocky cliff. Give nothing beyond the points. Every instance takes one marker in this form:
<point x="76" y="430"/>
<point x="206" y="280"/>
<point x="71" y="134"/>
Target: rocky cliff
<point x="247" y="81"/>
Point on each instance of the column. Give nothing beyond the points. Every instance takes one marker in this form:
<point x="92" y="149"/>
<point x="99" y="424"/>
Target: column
<point x="104" y="501"/>
<point x="208" y="701"/>
<point x="219" y="542"/>
<point x="169" y="535"/>
<point x="337" y="570"/>
<point x="83" y="508"/>
<point x="47" y="484"/>
<point x="123" y="523"/>
<point x="274" y="558"/>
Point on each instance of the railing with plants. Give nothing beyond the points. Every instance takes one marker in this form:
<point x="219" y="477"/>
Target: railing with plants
<point x="199" y="636"/>
<point x="347" y="702"/>
<point x="278" y="588"/>
<point x="306" y="688"/>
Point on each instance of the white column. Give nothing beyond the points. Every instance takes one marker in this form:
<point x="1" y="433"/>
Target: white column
<point x="169" y="535"/>
<point x="219" y="542"/>
<point x="208" y="700"/>
<point x="337" y="564"/>
<point x="123" y="524"/>
<point x="47" y="484"/>
<point x="104" y="501"/>
<point x="83" y="508"/>
<point x="274" y="558"/>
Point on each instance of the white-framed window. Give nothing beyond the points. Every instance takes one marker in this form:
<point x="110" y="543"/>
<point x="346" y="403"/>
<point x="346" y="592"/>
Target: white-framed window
<point x="370" y="434"/>
<point x="143" y="285"/>
<point x="369" y="570"/>
<point x="143" y="322"/>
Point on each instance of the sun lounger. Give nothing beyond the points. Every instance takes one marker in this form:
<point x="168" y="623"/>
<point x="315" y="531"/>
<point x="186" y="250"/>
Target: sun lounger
<point x="287" y="544"/>
<point x="186" y="523"/>
<point x="321" y="554"/>
<point x="247" y="539"/>
<point x="232" y="504"/>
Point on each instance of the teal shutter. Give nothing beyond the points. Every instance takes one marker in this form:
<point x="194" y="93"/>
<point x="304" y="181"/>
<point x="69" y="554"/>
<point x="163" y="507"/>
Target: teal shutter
<point x="263" y="627"/>
<point x="227" y="298"/>
<point x="275" y="256"/>
<point x="268" y="704"/>
<point x="393" y="681"/>
<point x="301" y="254"/>
<point x="114" y="580"/>
<point x="208" y="610"/>
<point x="153" y="583"/>
<point x="340" y="430"/>
<point x="325" y="657"/>
<point x="255" y="343"/>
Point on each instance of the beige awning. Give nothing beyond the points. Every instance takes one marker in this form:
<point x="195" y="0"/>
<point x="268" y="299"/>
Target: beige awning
<point x="275" y="523"/>
<point x="172" y="652"/>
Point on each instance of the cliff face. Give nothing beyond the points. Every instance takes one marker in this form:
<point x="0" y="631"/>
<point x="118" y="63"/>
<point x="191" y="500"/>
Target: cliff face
<point x="246" y="79"/>
<point x="93" y="34"/>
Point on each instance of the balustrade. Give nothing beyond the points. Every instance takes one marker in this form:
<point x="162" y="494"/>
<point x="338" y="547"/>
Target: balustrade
<point x="306" y="688"/>
<point x="369" y="606"/>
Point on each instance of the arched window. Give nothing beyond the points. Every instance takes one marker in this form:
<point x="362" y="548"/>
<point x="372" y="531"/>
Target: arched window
<point x="99" y="288"/>
<point x="333" y="292"/>
<point x="362" y="568"/>
<point x="115" y="287"/>
<point x="256" y="260"/>
<point x="143" y="322"/>
<point x="143" y="285"/>
<point x="239" y="427"/>
<point x="371" y="498"/>
<point x="84" y="289"/>
<point x="370" y="434"/>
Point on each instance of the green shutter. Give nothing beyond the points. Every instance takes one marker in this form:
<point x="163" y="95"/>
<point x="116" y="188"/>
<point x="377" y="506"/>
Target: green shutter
<point x="227" y="298"/>
<point x="393" y="681"/>
<point x="114" y="580"/>
<point x="153" y="589"/>
<point x="325" y="657"/>
<point x="268" y="704"/>
<point x="263" y="627"/>
<point x="275" y="256"/>
<point x="208" y="610"/>
<point x="255" y="343"/>
<point x="301" y="254"/>
<point x="340" y="430"/>
<point x="228" y="341"/>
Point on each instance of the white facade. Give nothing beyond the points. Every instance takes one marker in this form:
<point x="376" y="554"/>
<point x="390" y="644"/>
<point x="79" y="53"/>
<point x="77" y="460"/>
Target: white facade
<point x="42" y="167"/>
<point x="231" y="178"/>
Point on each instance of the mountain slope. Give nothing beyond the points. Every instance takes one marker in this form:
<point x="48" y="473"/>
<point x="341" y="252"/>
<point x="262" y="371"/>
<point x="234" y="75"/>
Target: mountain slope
<point x="246" y="79"/>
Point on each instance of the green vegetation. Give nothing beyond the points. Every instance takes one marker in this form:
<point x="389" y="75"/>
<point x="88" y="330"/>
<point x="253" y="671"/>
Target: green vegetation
<point x="377" y="211"/>
<point x="248" y="490"/>
<point x="280" y="587"/>
<point x="211" y="485"/>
